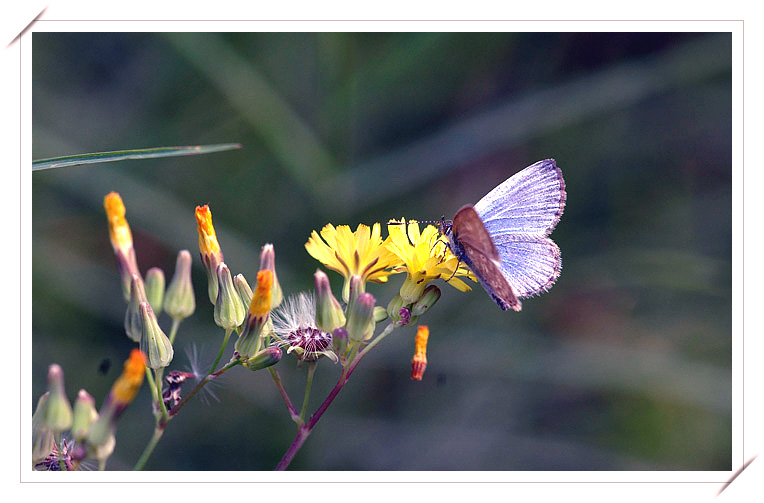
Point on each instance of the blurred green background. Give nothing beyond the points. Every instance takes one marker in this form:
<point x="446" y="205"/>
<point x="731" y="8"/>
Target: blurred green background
<point x="624" y="365"/>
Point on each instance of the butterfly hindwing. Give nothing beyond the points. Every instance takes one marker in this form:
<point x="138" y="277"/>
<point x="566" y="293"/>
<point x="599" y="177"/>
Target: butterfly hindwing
<point x="531" y="264"/>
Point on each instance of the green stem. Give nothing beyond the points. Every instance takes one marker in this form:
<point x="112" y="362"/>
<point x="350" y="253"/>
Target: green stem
<point x="308" y="385"/>
<point x="152" y="385"/>
<point x="292" y="411"/>
<point x="149" y="448"/>
<point x="161" y="407"/>
<point x="222" y="350"/>
<point x="174" y="329"/>
<point x="60" y="444"/>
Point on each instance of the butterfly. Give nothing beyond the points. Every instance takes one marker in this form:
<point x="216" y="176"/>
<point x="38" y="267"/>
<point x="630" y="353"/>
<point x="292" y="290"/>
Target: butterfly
<point x="503" y="237"/>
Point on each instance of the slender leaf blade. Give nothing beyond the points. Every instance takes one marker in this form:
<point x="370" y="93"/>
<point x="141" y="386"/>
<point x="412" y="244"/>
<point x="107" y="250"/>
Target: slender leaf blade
<point x="121" y="155"/>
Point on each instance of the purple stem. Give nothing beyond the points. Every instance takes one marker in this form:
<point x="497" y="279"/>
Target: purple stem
<point x="304" y="430"/>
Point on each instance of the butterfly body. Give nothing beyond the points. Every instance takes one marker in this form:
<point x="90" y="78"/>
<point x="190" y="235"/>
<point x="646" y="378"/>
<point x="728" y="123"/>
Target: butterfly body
<point x="503" y="237"/>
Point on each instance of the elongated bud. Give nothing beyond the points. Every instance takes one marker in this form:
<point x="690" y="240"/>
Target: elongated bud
<point x="121" y="240"/>
<point x="179" y="300"/>
<point x="268" y="261"/>
<point x="265" y="358"/>
<point x="257" y="317"/>
<point x="229" y="310"/>
<point x="133" y="321"/>
<point x="209" y="249"/>
<point x="360" y="324"/>
<point x="155" y="289"/>
<point x="355" y="288"/>
<point x="43" y="439"/>
<point x="329" y="315"/>
<point x="57" y="415"/>
<point x="426" y="301"/>
<point x="419" y="362"/>
<point x="154" y="343"/>
<point x="85" y="415"/>
<point x="241" y="285"/>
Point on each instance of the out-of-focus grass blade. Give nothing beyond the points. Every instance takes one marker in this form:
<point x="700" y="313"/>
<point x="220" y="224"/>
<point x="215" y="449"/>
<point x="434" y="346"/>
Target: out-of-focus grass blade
<point x="120" y="155"/>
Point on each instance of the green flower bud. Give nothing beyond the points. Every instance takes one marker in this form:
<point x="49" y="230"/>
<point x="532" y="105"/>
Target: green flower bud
<point x="43" y="440"/>
<point x="154" y="284"/>
<point x="229" y="310"/>
<point x="268" y="261"/>
<point x="426" y="301"/>
<point x="265" y="358"/>
<point x="100" y="438"/>
<point x="380" y="314"/>
<point x="57" y="412"/>
<point x="360" y="324"/>
<point x="133" y="323"/>
<point x="329" y="313"/>
<point x="179" y="299"/>
<point x="154" y="343"/>
<point x="245" y="292"/>
<point x="85" y="415"/>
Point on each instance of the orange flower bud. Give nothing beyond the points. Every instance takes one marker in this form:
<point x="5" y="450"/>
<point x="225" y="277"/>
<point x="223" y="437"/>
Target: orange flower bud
<point x="419" y="362"/>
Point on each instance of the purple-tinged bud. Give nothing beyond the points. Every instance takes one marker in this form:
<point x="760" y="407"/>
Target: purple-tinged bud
<point x="85" y="415"/>
<point x="57" y="412"/>
<point x="404" y="316"/>
<point x="426" y="301"/>
<point x="154" y="343"/>
<point x="133" y="322"/>
<point x="340" y="340"/>
<point x="229" y="310"/>
<point x="268" y="261"/>
<point x="265" y="358"/>
<point x="329" y="313"/>
<point x="360" y="323"/>
<point x="179" y="300"/>
<point x="154" y="284"/>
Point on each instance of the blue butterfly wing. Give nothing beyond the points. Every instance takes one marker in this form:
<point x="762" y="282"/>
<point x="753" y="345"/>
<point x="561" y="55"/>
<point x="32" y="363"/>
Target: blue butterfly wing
<point x="518" y="215"/>
<point x="529" y="202"/>
<point x="531" y="264"/>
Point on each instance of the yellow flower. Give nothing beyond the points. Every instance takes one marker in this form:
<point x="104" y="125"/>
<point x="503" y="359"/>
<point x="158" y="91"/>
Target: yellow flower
<point x="361" y="253"/>
<point x="426" y="257"/>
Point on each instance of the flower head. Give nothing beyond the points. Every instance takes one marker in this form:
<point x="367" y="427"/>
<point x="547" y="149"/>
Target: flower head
<point x="121" y="240"/>
<point x="294" y="326"/>
<point x="209" y="249"/>
<point x="426" y="257"/>
<point x="361" y="253"/>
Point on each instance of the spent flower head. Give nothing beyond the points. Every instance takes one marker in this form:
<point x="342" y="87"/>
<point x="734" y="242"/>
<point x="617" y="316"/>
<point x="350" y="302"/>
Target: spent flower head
<point x="268" y="261"/>
<point x="425" y="256"/>
<point x="294" y="327"/>
<point x="361" y="253"/>
<point x="419" y="361"/>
